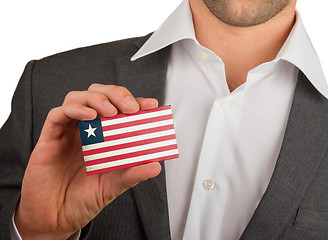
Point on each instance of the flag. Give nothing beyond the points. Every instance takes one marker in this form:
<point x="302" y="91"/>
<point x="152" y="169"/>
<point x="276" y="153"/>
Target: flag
<point x="128" y="140"/>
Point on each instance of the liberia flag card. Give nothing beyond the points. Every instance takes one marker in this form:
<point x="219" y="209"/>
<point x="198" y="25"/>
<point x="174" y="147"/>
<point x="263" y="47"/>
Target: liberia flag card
<point x="128" y="140"/>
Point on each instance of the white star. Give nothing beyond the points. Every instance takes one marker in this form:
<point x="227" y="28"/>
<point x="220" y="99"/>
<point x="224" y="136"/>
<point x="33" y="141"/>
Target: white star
<point x="91" y="131"/>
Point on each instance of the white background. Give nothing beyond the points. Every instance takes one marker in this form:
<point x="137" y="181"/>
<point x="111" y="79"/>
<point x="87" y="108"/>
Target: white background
<point x="37" y="28"/>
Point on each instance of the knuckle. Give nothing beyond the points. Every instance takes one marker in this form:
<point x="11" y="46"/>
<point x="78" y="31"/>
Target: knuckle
<point x="94" y="87"/>
<point x="121" y="90"/>
<point x="94" y="97"/>
<point x="53" y="111"/>
<point x="70" y="96"/>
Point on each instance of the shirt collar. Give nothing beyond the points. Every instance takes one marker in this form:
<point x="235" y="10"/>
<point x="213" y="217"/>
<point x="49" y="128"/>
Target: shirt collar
<point x="297" y="49"/>
<point x="177" y="26"/>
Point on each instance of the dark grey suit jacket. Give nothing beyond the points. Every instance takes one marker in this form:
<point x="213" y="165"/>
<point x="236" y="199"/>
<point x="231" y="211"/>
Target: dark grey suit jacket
<point x="295" y="205"/>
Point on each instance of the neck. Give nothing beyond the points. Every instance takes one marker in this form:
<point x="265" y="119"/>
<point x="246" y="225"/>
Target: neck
<point x="241" y="48"/>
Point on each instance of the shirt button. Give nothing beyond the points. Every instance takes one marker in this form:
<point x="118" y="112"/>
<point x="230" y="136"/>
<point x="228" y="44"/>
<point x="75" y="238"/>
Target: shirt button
<point x="224" y="104"/>
<point x="208" y="184"/>
<point x="203" y="55"/>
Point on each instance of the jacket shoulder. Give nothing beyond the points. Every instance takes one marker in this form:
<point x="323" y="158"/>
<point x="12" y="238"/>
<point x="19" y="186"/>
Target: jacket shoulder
<point x="78" y="68"/>
<point x="100" y="52"/>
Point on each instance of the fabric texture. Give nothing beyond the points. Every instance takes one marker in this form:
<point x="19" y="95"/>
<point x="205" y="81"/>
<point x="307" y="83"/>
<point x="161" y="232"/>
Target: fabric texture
<point x="293" y="207"/>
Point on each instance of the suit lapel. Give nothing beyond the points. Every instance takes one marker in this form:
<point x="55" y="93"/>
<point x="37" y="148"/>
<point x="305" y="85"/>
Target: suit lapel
<point x="146" y="77"/>
<point x="303" y="148"/>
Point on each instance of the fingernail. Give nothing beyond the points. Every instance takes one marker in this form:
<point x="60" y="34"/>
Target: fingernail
<point x="130" y="101"/>
<point x="107" y="104"/>
<point x="89" y="110"/>
<point x="153" y="101"/>
<point x="110" y="109"/>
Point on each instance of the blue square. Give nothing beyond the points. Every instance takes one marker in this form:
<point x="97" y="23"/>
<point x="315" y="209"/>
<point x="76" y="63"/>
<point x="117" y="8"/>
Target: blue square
<point x="91" y="131"/>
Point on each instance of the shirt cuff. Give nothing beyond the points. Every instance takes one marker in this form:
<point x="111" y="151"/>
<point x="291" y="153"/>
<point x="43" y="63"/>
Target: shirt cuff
<point x="16" y="236"/>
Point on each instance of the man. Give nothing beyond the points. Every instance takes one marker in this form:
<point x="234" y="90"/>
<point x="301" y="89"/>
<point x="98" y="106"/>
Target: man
<point x="249" y="102"/>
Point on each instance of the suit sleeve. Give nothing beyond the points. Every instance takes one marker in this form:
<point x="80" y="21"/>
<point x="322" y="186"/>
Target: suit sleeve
<point x="15" y="149"/>
<point x="16" y="144"/>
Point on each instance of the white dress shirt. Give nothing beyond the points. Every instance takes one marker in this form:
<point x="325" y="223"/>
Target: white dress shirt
<point x="228" y="141"/>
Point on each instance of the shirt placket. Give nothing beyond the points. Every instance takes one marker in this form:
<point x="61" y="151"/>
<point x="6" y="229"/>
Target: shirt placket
<point x="211" y="184"/>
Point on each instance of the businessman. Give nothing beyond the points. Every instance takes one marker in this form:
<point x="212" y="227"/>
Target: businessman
<point x="250" y="106"/>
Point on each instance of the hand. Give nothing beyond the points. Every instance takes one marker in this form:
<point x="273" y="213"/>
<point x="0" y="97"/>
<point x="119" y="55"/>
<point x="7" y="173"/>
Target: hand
<point x="57" y="197"/>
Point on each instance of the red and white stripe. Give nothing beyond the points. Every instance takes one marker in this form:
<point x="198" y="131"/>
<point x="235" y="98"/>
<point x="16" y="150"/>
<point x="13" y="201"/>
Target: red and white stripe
<point x="133" y="139"/>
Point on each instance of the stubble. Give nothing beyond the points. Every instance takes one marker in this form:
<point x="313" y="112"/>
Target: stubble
<point x="245" y="13"/>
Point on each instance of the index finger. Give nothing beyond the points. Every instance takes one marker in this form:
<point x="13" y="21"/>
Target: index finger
<point x="119" y="96"/>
